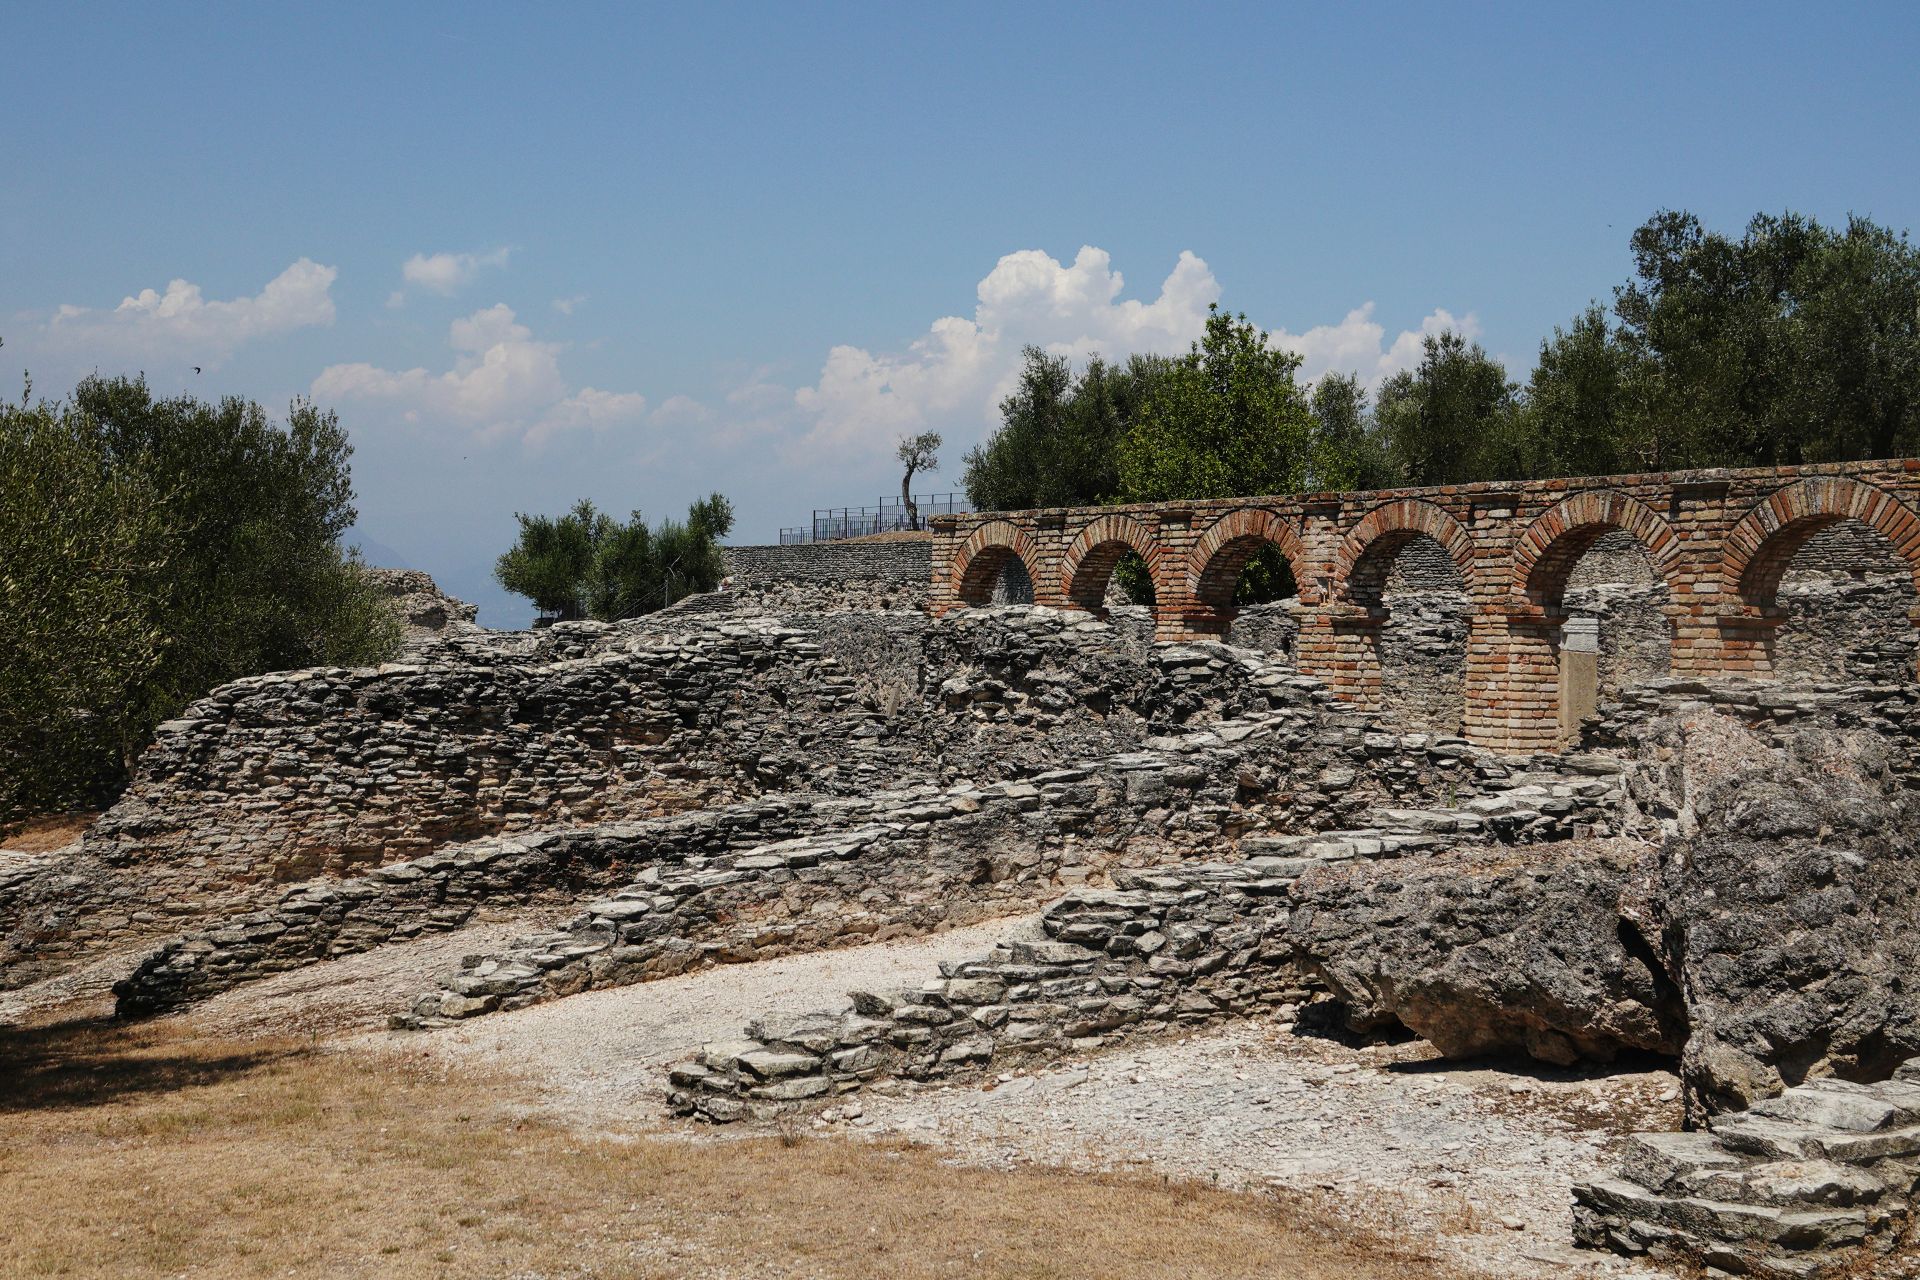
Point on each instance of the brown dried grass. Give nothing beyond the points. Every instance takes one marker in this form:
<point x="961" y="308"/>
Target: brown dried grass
<point x="149" y="1152"/>
<point x="44" y="835"/>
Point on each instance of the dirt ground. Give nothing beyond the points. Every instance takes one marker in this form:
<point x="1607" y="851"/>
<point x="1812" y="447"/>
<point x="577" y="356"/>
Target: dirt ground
<point x="158" y="1152"/>
<point x="46" y="835"/>
<point x="1475" y="1161"/>
<point x="280" y="1129"/>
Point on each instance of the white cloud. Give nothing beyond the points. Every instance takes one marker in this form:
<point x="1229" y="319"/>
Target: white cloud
<point x="445" y="273"/>
<point x="956" y="374"/>
<point x="963" y="366"/>
<point x="503" y="381"/>
<point x="567" y="306"/>
<point x="588" y="409"/>
<point x="681" y="411"/>
<point x="181" y="324"/>
<point x="1355" y="345"/>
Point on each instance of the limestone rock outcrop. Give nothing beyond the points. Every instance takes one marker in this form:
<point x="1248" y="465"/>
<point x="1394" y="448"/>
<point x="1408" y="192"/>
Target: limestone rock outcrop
<point x="1816" y="1182"/>
<point x="1791" y="921"/>
<point x="1486" y="952"/>
<point x="1769" y="938"/>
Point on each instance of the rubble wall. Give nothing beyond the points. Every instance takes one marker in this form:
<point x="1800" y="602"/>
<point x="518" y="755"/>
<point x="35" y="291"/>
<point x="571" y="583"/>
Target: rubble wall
<point x="799" y="872"/>
<point x="882" y="574"/>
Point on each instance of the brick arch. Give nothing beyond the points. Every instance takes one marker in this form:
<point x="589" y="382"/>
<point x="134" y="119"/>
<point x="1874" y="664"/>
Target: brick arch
<point x="1757" y="550"/>
<point x="1090" y="560"/>
<point x="978" y="563"/>
<point x="1214" y="564"/>
<point x="1361" y="564"/>
<point x="1546" y="553"/>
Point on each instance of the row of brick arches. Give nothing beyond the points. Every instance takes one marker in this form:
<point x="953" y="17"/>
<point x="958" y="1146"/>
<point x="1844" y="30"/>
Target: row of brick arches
<point x="1718" y="541"/>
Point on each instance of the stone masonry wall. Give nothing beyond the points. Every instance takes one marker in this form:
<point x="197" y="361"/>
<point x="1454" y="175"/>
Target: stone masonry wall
<point x="1172" y="946"/>
<point x="1181" y="947"/>
<point x="330" y="773"/>
<point x="822" y="576"/>
<point x="285" y="776"/>
<point x="792" y="872"/>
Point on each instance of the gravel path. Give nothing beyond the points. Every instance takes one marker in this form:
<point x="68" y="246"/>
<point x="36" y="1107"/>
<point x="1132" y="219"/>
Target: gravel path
<point x="601" y="1055"/>
<point x="1476" y="1160"/>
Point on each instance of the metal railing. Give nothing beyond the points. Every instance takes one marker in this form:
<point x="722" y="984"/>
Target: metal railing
<point x="837" y="524"/>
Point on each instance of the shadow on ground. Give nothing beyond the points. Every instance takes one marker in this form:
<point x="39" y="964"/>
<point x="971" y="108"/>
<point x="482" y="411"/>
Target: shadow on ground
<point x="94" y="1061"/>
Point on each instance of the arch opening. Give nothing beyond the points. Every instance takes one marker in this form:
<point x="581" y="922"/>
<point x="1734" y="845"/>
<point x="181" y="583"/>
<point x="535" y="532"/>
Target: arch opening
<point x="1250" y="582"/>
<point x="1615" y="599"/>
<point x="1241" y="577"/>
<point x="1111" y="579"/>
<point x="995" y="575"/>
<point x="1418" y="615"/>
<point x="1595" y="572"/>
<point x="1013" y="584"/>
<point x="1843" y="599"/>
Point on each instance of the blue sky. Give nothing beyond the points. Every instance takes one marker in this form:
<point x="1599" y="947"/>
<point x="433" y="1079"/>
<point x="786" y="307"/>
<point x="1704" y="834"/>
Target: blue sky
<point x="534" y="253"/>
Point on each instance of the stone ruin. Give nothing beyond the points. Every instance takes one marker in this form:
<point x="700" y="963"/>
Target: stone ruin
<point x="1715" y="871"/>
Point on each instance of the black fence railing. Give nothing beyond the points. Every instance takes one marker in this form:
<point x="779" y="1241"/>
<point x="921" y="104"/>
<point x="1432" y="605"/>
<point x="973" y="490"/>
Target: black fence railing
<point x="837" y="524"/>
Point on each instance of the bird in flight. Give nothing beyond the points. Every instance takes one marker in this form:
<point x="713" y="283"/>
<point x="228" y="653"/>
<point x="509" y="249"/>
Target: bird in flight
<point x="196" y="368"/>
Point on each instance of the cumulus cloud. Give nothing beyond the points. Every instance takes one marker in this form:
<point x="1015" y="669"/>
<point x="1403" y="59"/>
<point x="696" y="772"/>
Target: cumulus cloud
<point x="1358" y="344"/>
<point x="445" y="273"/>
<point x="503" y="381"/>
<point x="962" y="367"/>
<point x="181" y="324"/>
<point x="957" y="373"/>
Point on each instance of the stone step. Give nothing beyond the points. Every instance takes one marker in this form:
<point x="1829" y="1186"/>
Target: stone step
<point x="1775" y="1227"/>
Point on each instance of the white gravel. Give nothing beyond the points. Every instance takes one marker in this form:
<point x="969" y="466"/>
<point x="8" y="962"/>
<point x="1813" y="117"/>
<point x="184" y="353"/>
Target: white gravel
<point x="1475" y="1160"/>
<point x="601" y="1055"/>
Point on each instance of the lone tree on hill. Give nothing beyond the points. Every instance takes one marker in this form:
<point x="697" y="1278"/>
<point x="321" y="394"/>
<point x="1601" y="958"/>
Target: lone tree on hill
<point x="917" y="453"/>
<point x="586" y="564"/>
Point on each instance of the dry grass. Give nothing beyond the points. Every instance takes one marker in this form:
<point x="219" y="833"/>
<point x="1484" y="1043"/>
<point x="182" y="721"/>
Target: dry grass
<point x="149" y="1153"/>
<point x="44" y="835"/>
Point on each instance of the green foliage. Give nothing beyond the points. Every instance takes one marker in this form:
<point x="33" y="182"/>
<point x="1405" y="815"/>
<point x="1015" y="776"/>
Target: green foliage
<point x="1226" y="420"/>
<point x="1059" y="439"/>
<point x="1587" y="403"/>
<point x="1453" y="418"/>
<point x="1795" y="343"/>
<point x="586" y="564"/>
<point x="149" y="551"/>
<point x="1348" y="451"/>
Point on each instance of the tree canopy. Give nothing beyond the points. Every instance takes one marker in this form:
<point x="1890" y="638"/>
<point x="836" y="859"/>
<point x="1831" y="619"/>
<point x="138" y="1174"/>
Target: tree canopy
<point x="1796" y="342"/>
<point x="916" y="453"/>
<point x="1450" y="420"/>
<point x="151" y="549"/>
<point x="586" y="564"/>
<point x="1059" y="440"/>
<point x="1225" y="420"/>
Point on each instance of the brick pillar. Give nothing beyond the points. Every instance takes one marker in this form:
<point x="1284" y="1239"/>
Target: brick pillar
<point x="1177" y="614"/>
<point x="1513" y="682"/>
<point x="1050" y="543"/>
<point x="1316" y="652"/>
<point x="942" y="592"/>
<point x="1746" y="643"/>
